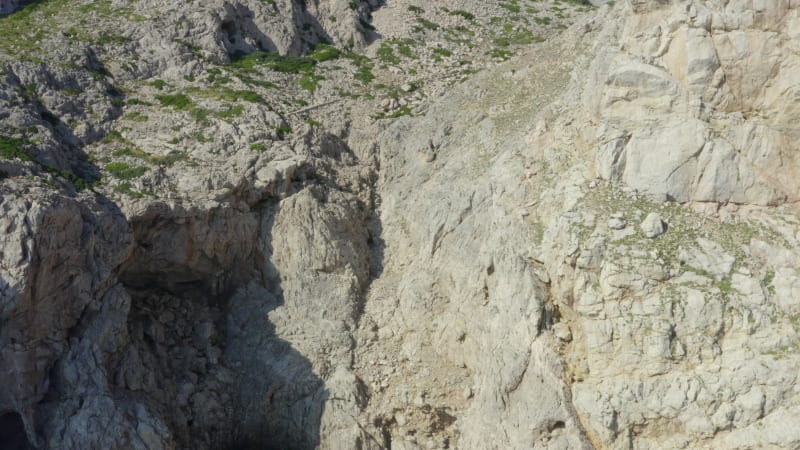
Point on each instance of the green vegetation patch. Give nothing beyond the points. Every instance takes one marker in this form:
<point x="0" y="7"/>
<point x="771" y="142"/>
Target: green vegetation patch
<point x="310" y="82"/>
<point x="683" y="228"/>
<point x="126" y="188"/>
<point x="586" y="4"/>
<point x="77" y="181"/>
<point x="427" y="24"/>
<point x="363" y="67"/>
<point x="136" y="101"/>
<point x="402" y="47"/>
<point x="513" y="7"/>
<point x="258" y="147"/>
<point x="442" y="52"/>
<point x="124" y="171"/>
<point x="231" y="112"/>
<point x="460" y="35"/>
<point x="136" y="116"/>
<point x="12" y="148"/>
<point x="500" y="54"/>
<point x="324" y="52"/>
<point x="131" y="152"/>
<point x="386" y="54"/>
<point x="400" y="112"/>
<point x="465" y="14"/>
<point x="178" y="101"/>
<point x="200" y="115"/>
<point x="240" y="94"/>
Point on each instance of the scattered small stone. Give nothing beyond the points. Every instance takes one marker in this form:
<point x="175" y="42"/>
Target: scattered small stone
<point x="617" y="221"/>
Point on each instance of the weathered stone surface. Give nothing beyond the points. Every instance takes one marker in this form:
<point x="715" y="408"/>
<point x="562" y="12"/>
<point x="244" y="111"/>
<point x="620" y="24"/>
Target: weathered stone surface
<point x="59" y="258"/>
<point x="709" y="257"/>
<point x="696" y="92"/>
<point x="617" y="222"/>
<point x="295" y="269"/>
<point x="653" y="225"/>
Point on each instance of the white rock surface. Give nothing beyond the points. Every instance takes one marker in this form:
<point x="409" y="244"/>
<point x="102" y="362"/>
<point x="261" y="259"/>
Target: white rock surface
<point x="653" y="225"/>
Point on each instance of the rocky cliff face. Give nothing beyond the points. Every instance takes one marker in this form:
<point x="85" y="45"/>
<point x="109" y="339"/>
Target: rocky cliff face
<point x="728" y="70"/>
<point x="398" y="240"/>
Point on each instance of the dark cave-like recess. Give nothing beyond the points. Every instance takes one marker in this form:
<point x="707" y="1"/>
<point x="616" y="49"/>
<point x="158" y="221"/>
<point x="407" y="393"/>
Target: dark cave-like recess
<point x="12" y="433"/>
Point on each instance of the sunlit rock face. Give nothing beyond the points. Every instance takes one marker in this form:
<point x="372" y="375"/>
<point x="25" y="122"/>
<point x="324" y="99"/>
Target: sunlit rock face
<point x="697" y="100"/>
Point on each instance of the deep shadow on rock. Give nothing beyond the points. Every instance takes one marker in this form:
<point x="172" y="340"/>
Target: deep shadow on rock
<point x="175" y="356"/>
<point x="203" y="353"/>
<point x="12" y="432"/>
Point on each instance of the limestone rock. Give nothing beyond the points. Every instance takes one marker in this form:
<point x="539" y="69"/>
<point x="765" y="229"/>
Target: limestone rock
<point x="562" y="332"/>
<point x="683" y="64"/>
<point x="653" y="225"/>
<point x="709" y="257"/>
<point x="202" y="249"/>
<point x="59" y="260"/>
<point x="617" y="222"/>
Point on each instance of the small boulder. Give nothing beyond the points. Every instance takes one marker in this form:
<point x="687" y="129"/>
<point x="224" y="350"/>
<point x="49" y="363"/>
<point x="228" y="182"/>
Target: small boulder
<point x="653" y="225"/>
